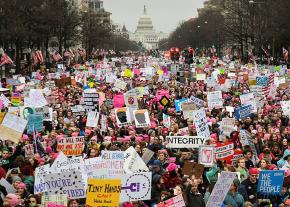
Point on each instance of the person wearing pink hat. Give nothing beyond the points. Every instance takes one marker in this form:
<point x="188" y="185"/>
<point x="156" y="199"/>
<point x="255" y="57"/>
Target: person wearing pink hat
<point x="11" y="200"/>
<point x="21" y="190"/>
<point x="248" y="187"/>
<point x="171" y="178"/>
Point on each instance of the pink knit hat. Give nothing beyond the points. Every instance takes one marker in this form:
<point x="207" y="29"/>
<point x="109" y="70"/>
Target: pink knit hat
<point x="21" y="185"/>
<point x="14" y="199"/>
<point x="25" y="137"/>
<point x="171" y="167"/>
<point x="87" y="131"/>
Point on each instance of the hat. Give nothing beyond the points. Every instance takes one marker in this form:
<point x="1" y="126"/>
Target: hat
<point x="254" y="171"/>
<point x="171" y="167"/>
<point x="94" y="138"/>
<point x="48" y="149"/>
<point x="157" y="163"/>
<point x="14" y="199"/>
<point x="16" y="178"/>
<point x="21" y="185"/>
<point x="87" y="131"/>
<point x="25" y="137"/>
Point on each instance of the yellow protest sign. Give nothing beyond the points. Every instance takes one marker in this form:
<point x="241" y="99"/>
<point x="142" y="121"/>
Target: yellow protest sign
<point x="103" y="193"/>
<point x="128" y="73"/>
<point x="2" y="114"/>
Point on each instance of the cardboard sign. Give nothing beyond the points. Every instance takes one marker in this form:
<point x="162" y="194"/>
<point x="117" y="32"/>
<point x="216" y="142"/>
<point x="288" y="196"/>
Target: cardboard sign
<point x="141" y="118"/>
<point x="200" y="122"/>
<point x="122" y="117"/>
<point x="186" y="107"/>
<point x="214" y="99"/>
<point x="188" y="168"/>
<point x="221" y="189"/>
<point x="147" y="155"/>
<point x="91" y="101"/>
<point x="243" y="112"/>
<point x="61" y="83"/>
<point x="176" y="201"/>
<point x="206" y="155"/>
<point x="185" y="141"/>
<point x="133" y="162"/>
<point x="92" y="119"/>
<point x="103" y="193"/>
<point x="35" y="123"/>
<point x="71" y="145"/>
<point x="59" y="199"/>
<point x="224" y="151"/>
<point x="270" y="182"/>
<point x="39" y="184"/>
<point x="12" y="127"/>
<point x="69" y="183"/>
<point x="136" y="187"/>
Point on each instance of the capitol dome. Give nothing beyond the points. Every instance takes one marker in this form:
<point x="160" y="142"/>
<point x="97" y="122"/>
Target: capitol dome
<point x="145" y="23"/>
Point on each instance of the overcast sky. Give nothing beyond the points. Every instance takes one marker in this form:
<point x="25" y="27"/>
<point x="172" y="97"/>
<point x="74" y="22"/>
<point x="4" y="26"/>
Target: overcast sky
<point x="165" y="14"/>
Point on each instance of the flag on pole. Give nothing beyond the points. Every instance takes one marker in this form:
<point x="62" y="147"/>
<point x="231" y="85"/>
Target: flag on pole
<point x="285" y="54"/>
<point x="56" y="56"/>
<point x="5" y="59"/>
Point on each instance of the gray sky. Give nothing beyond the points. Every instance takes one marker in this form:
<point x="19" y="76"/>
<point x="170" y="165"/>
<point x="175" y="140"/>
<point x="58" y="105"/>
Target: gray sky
<point x="165" y="14"/>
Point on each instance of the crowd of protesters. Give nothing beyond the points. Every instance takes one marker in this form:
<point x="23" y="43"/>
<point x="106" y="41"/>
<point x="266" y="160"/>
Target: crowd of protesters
<point x="268" y="126"/>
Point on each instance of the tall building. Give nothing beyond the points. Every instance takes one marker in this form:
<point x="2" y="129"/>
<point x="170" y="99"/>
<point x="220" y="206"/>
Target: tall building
<point x="145" y="32"/>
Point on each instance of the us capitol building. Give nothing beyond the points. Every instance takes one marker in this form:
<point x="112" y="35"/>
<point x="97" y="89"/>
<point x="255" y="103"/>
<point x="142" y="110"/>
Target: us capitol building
<point x="145" y="32"/>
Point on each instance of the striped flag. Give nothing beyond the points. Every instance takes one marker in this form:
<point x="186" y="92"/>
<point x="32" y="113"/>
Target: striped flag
<point x="56" y="56"/>
<point x="285" y="54"/>
<point x="5" y="59"/>
<point x="39" y="56"/>
<point x="34" y="58"/>
<point x="266" y="89"/>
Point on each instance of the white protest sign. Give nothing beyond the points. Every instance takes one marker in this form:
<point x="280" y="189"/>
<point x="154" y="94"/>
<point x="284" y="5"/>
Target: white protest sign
<point x="133" y="162"/>
<point x="285" y="107"/>
<point x="214" y="99"/>
<point x="206" y="155"/>
<point x="114" y="163"/>
<point x="244" y="137"/>
<point x="196" y="101"/>
<point x="221" y="189"/>
<point x="141" y="118"/>
<point x="94" y="168"/>
<point x="136" y="187"/>
<point x="123" y="116"/>
<point x="185" y="141"/>
<point x="131" y="98"/>
<point x="37" y="99"/>
<point x="228" y="126"/>
<point x="247" y="99"/>
<point x="92" y="119"/>
<point x="14" y="122"/>
<point x="69" y="183"/>
<point x="29" y="150"/>
<point x="120" y="84"/>
<point x="166" y="120"/>
<point x="65" y="164"/>
<point x="200" y="122"/>
<point x="46" y="111"/>
<point x="147" y="155"/>
<point x="5" y="100"/>
<point x="39" y="184"/>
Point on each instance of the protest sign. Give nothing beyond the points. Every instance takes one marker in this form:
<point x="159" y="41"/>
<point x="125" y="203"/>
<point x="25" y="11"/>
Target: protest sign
<point x="120" y="84"/>
<point x="92" y="119"/>
<point x="141" y="118"/>
<point x="176" y="201"/>
<point x="69" y="183"/>
<point x="36" y="99"/>
<point x="185" y="141"/>
<point x="243" y="112"/>
<point x="249" y="99"/>
<point x="161" y="93"/>
<point x="228" y="126"/>
<point x="178" y="104"/>
<point x="15" y="99"/>
<point x="114" y="163"/>
<point x="147" y="155"/>
<point x="131" y="98"/>
<point x="136" y="187"/>
<point x="224" y="151"/>
<point x="26" y="111"/>
<point x="12" y="127"/>
<point x="104" y="124"/>
<point x="285" y="107"/>
<point x="39" y="184"/>
<point x="35" y="123"/>
<point x="133" y="162"/>
<point x="198" y="102"/>
<point x="71" y="145"/>
<point x="91" y="101"/>
<point x="2" y="114"/>
<point x="78" y="110"/>
<point x="103" y="193"/>
<point x="46" y="112"/>
<point x="206" y="155"/>
<point x="61" y="83"/>
<point x="4" y="100"/>
<point x="166" y="120"/>
<point x="95" y="168"/>
<point x="244" y="137"/>
<point x="119" y="100"/>
<point x="9" y="188"/>
<point x="221" y="189"/>
<point x="188" y="168"/>
<point x="200" y="122"/>
<point x="214" y="99"/>
<point x="65" y="164"/>
<point x="123" y="116"/>
<point x="29" y="150"/>
<point x="270" y="182"/>
<point x="186" y="107"/>
<point x="164" y="101"/>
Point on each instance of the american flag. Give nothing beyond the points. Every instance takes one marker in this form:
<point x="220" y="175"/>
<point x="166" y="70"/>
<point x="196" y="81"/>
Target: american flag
<point x="5" y="59"/>
<point x="56" y="56"/>
<point x="266" y="89"/>
<point x="39" y="56"/>
<point x="285" y="54"/>
<point x="34" y="58"/>
<point x="68" y="54"/>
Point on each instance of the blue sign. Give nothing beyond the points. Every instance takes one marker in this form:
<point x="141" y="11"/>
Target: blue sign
<point x="262" y="80"/>
<point x="35" y="123"/>
<point x="243" y="112"/>
<point x="178" y="104"/>
<point x="270" y="182"/>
